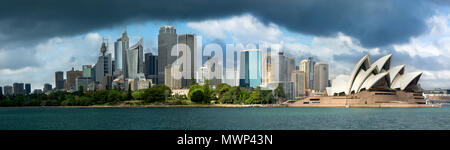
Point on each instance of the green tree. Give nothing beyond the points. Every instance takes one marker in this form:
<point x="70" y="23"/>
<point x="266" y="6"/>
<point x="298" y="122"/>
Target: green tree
<point x="279" y="92"/>
<point x="129" y="96"/>
<point x="197" y="96"/>
<point x="221" y="89"/>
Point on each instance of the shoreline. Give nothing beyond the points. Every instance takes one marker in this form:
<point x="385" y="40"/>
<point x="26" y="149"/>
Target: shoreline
<point x="244" y="106"/>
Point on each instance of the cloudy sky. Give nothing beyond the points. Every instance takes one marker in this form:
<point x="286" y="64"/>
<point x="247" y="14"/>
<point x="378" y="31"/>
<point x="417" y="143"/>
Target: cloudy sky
<point x="38" y="38"/>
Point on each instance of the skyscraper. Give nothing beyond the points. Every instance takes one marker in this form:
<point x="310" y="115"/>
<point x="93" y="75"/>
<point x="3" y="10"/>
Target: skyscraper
<point x="47" y="87"/>
<point x="103" y="65"/>
<point x="87" y="71"/>
<point x="27" y="88"/>
<point x="250" y="68"/>
<point x="8" y="90"/>
<point x="151" y="67"/>
<point x="1" y="91"/>
<point x="59" y="80"/>
<point x="71" y="76"/>
<point x="135" y="62"/>
<point x="320" y="76"/>
<point x="185" y="42"/>
<point x="120" y="54"/>
<point x="167" y="39"/>
<point x="298" y="77"/>
<point x="18" y="89"/>
<point x="307" y="66"/>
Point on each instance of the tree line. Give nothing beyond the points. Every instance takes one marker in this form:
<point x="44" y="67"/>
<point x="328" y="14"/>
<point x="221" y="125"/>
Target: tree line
<point x="156" y="94"/>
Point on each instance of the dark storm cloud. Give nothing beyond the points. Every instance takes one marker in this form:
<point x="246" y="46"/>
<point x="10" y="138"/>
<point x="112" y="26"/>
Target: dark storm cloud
<point x="373" y="22"/>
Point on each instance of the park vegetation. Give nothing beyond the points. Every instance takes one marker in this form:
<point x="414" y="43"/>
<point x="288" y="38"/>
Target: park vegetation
<point x="156" y="94"/>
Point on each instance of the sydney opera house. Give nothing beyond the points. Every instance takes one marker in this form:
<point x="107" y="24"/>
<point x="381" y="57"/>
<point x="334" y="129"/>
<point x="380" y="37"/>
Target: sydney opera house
<point x="373" y="84"/>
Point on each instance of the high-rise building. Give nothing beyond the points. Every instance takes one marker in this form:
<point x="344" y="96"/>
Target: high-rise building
<point x="291" y="67"/>
<point x="281" y="66"/>
<point x="298" y="77"/>
<point x="8" y="90"/>
<point x="320" y="76"/>
<point x="167" y="39"/>
<point x="87" y="71"/>
<point x="151" y="67"/>
<point x="135" y="62"/>
<point x="71" y="78"/>
<point x="170" y="81"/>
<point x="1" y="91"/>
<point x="185" y="42"/>
<point x="59" y="80"/>
<point x="307" y="65"/>
<point x="103" y="65"/>
<point x="27" y="88"/>
<point x="86" y="83"/>
<point x="250" y="68"/>
<point x="18" y="89"/>
<point x="120" y="54"/>
<point x="47" y="87"/>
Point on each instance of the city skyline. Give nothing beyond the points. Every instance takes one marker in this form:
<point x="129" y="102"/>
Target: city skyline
<point x="340" y="50"/>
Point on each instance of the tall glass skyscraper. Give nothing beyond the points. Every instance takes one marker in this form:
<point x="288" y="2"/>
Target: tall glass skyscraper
<point x="135" y="60"/>
<point x="250" y="68"/>
<point x="120" y="54"/>
<point x="167" y="39"/>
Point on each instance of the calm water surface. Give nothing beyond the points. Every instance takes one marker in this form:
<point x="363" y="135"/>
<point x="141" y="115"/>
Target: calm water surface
<point x="224" y="118"/>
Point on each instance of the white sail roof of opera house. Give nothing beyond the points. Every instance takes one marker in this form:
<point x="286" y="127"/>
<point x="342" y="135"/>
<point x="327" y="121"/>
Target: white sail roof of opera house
<point x="366" y="75"/>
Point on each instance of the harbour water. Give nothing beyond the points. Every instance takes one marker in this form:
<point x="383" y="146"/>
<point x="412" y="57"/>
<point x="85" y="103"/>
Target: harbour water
<point x="283" y="118"/>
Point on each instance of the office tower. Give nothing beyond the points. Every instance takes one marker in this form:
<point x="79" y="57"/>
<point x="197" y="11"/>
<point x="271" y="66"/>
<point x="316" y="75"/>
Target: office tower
<point x="291" y="67"/>
<point x="18" y="89"/>
<point x="71" y="78"/>
<point x="120" y="54"/>
<point x="86" y="83"/>
<point x="87" y="71"/>
<point x="185" y="42"/>
<point x="59" y="80"/>
<point x="320" y="76"/>
<point x="27" y="88"/>
<point x="170" y="81"/>
<point x="47" y="88"/>
<point x="8" y="90"/>
<point x="307" y="65"/>
<point x="135" y="62"/>
<point x="1" y="91"/>
<point x="250" y="68"/>
<point x="107" y="81"/>
<point x="151" y="67"/>
<point x="279" y="70"/>
<point x="298" y="77"/>
<point x="103" y="65"/>
<point x="167" y="39"/>
<point x="279" y="75"/>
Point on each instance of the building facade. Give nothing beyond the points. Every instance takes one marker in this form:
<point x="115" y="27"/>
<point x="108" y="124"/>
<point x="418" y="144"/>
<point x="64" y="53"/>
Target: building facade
<point x="71" y="78"/>
<point x="188" y="42"/>
<point x="18" y="88"/>
<point x="120" y="55"/>
<point x="250" y="68"/>
<point x="59" y="80"/>
<point x="151" y="67"/>
<point x="167" y="39"/>
<point x="8" y="90"/>
<point x="320" y="76"/>
<point x="135" y="60"/>
<point x="307" y="66"/>
<point x="27" y="88"/>
<point x="47" y="88"/>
